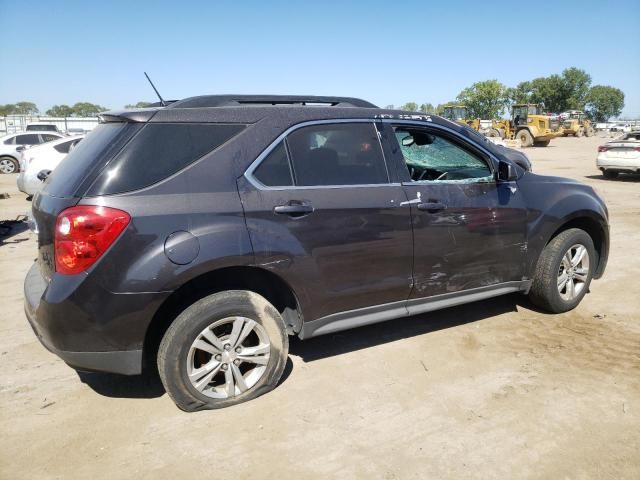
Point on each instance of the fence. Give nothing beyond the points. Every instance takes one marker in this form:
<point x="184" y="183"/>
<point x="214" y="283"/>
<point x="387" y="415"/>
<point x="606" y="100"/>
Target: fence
<point x="18" y="123"/>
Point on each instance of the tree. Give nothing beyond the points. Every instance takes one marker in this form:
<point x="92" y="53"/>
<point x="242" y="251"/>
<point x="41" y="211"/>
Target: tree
<point x="576" y="85"/>
<point x="485" y="100"/>
<point x="410" y="107"/>
<point x="551" y="91"/>
<point x="521" y="93"/>
<point x="25" y="108"/>
<point x="390" y="107"/>
<point x="7" y="109"/>
<point x="139" y="105"/>
<point x="604" y="102"/>
<point x="427" y="108"/>
<point x="86" y="109"/>
<point x="60" y="111"/>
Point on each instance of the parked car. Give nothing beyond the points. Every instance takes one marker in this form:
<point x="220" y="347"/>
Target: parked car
<point x="621" y="155"/>
<point x="198" y="237"/>
<point x="10" y="144"/>
<point x="42" y="157"/>
<point x="43" y="127"/>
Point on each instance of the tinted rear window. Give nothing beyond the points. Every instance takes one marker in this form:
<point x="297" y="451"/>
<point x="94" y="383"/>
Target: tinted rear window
<point x="87" y="155"/>
<point x="159" y="151"/>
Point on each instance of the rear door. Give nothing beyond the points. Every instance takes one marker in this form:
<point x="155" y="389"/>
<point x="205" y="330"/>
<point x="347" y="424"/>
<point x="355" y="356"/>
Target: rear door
<point x="469" y="230"/>
<point x="323" y="213"/>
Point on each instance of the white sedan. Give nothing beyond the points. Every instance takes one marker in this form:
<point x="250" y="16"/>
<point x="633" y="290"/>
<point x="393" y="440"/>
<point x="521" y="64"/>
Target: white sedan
<point x="621" y="155"/>
<point x="42" y="157"/>
<point x="11" y="144"/>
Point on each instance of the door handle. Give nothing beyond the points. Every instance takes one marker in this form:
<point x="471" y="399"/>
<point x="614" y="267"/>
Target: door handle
<point x="293" y="209"/>
<point x="431" y="207"/>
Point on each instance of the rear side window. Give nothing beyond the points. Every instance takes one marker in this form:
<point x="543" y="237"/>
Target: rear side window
<point x="274" y="170"/>
<point x="159" y="151"/>
<point x="46" y="137"/>
<point x="10" y="141"/>
<point x="28" y="139"/>
<point x="64" y="147"/>
<point x="339" y="154"/>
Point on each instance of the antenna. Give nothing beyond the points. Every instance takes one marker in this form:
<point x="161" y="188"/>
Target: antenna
<point x="162" y="102"/>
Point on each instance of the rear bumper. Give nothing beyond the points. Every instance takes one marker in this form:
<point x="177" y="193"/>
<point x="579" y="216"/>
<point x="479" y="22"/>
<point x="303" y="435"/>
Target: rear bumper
<point x="94" y="331"/>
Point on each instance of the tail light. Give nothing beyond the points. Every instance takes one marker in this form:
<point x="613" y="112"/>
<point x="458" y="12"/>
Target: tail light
<point x="637" y="149"/>
<point x="83" y="234"/>
<point x="602" y="148"/>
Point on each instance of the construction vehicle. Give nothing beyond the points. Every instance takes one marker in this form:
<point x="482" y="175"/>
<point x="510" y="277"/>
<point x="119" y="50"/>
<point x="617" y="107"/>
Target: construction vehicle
<point x="577" y="124"/>
<point x="529" y="124"/>
<point x="459" y="113"/>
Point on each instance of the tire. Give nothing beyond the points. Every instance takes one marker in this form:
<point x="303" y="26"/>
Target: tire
<point x="526" y="140"/>
<point x="542" y="143"/>
<point x="494" y="133"/>
<point x="589" y="132"/>
<point x="579" y="132"/>
<point x="9" y="165"/>
<point x="215" y="317"/>
<point x="609" y="174"/>
<point x="546" y="291"/>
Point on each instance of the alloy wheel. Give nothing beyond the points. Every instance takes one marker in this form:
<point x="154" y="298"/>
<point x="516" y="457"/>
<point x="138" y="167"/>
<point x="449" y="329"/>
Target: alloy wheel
<point x="228" y="357"/>
<point x="7" y="166"/>
<point x="573" y="272"/>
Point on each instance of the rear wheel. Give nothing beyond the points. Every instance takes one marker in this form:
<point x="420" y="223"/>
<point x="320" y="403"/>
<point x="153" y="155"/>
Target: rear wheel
<point x="224" y="349"/>
<point x="526" y="140"/>
<point x="609" y="174"/>
<point x="9" y="165"/>
<point x="564" y="271"/>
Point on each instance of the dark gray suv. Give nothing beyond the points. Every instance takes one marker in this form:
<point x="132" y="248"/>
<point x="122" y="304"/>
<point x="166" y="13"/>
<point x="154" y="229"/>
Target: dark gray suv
<point x="195" y="238"/>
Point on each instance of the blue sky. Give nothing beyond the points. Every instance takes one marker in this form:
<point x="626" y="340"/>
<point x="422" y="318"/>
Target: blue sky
<point x="387" y="52"/>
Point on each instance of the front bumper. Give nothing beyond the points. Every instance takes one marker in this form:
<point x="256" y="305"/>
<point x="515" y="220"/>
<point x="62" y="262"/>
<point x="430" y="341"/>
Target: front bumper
<point x="93" y="330"/>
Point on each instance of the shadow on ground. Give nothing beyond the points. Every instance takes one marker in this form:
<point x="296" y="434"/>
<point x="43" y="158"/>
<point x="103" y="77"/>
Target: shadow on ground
<point x="405" y="327"/>
<point x="11" y="228"/>
<point x="149" y="385"/>
<point x="623" y="177"/>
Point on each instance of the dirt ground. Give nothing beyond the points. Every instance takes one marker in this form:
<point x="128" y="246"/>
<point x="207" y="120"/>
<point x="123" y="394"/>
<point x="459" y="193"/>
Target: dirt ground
<point x="487" y="390"/>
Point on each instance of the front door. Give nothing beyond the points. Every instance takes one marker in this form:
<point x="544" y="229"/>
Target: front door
<point x="323" y="215"/>
<point x="469" y="230"/>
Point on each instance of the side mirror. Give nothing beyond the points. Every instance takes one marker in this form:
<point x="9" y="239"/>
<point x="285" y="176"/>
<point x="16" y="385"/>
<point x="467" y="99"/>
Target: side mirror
<point x="506" y="172"/>
<point x="43" y="174"/>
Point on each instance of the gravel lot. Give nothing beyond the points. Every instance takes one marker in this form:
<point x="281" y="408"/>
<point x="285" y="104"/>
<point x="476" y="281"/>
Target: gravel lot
<point x="489" y="390"/>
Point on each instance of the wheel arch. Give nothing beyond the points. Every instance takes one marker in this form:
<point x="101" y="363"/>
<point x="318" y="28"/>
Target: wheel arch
<point x="256" y="279"/>
<point x="595" y="228"/>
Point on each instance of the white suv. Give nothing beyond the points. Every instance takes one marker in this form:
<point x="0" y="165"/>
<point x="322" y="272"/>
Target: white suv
<point x="11" y="144"/>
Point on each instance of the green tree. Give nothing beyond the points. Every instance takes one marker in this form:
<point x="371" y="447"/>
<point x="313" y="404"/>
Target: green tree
<point x="410" y="107"/>
<point x="486" y="99"/>
<point x="86" y="109"/>
<point x="8" y="109"/>
<point x="139" y="105"/>
<point x="60" y="111"/>
<point x="550" y="91"/>
<point x="390" y="107"/>
<point x="25" y="108"/>
<point x="604" y="102"/>
<point x="576" y="85"/>
<point x="427" y="108"/>
<point x="521" y="93"/>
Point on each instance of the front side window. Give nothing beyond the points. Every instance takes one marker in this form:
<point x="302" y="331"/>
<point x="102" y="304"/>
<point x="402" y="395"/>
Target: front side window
<point x="435" y="158"/>
<point x="28" y="139"/>
<point x="340" y="154"/>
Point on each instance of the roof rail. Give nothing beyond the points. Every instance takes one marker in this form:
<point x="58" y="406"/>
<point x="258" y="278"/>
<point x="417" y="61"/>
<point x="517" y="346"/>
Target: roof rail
<point x="240" y="100"/>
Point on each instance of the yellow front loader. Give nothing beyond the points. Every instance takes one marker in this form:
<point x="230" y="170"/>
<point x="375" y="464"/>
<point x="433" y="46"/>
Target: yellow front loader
<point x="577" y="125"/>
<point x="528" y="124"/>
<point x="459" y="113"/>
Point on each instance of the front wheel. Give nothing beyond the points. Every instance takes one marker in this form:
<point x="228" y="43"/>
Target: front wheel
<point x="9" y="165"/>
<point x="526" y="140"/>
<point x="224" y="349"/>
<point x="564" y="271"/>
